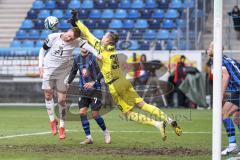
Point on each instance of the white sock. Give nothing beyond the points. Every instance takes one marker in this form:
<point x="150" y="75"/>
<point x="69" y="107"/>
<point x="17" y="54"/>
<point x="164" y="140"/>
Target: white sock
<point x="50" y="109"/>
<point x="61" y="125"/>
<point x="157" y="125"/>
<point x="169" y="120"/>
<point x="62" y="114"/>
<point x="89" y="137"/>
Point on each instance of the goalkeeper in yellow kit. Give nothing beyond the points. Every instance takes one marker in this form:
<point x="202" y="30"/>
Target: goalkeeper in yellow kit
<point x="120" y="88"/>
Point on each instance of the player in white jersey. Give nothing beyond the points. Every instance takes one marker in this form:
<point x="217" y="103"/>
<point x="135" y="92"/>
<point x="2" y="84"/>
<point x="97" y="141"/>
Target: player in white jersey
<point x="55" y="63"/>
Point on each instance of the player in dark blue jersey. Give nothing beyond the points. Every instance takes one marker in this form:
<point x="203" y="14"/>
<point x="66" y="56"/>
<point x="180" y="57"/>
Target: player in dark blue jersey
<point x="231" y="100"/>
<point x="90" y="77"/>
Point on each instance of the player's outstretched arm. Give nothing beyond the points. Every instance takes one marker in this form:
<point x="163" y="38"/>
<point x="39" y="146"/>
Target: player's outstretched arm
<point x="85" y="31"/>
<point x="41" y="61"/>
<point x="225" y="79"/>
<point x="73" y="72"/>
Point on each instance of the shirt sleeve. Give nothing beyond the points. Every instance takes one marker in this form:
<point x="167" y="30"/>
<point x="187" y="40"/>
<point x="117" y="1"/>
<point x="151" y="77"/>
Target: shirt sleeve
<point x="73" y="71"/>
<point x="89" y="48"/>
<point x="87" y="34"/>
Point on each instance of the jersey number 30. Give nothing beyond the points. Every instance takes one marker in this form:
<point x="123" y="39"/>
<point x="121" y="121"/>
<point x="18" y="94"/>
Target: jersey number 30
<point x="115" y="63"/>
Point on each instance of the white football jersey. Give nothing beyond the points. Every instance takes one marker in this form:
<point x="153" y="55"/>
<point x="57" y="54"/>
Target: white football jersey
<point x="60" y="53"/>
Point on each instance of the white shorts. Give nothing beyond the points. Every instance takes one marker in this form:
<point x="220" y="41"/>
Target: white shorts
<point x="55" y="81"/>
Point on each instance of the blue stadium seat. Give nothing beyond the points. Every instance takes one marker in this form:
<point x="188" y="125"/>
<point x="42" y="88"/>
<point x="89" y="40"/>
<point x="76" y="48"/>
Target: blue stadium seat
<point x="149" y="34"/>
<point x="154" y="24"/>
<point x="169" y="45"/>
<point x="134" y="45"/>
<point x="176" y="4"/>
<point x="182" y="45"/>
<point x="146" y="14"/>
<point x="27" y="24"/>
<point x="116" y="23"/>
<point x="171" y="13"/>
<point x="120" y="13"/>
<point x="107" y="13"/>
<point x="33" y="34"/>
<point x="125" y="4"/>
<point x="98" y="33"/>
<point x="39" y="24"/>
<point x="199" y="13"/>
<point x="32" y="14"/>
<point x="50" y="4"/>
<point x="163" y="4"/>
<point x="38" y="4"/>
<point x="83" y="14"/>
<point x="15" y="43"/>
<point x="45" y="33"/>
<point x="28" y="43"/>
<point x="188" y="3"/>
<point x="74" y="4"/>
<point x="137" y="34"/>
<point x="163" y="34"/>
<point x="44" y="14"/>
<point x="95" y="13"/>
<point x="63" y="24"/>
<point x="141" y="23"/>
<point x="122" y="33"/>
<point x="133" y="14"/>
<point x="39" y="44"/>
<point x="128" y="24"/>
<point x="103" y="24"/>
<point x="151" y="4"/>
<point x="57" y="13"/>
<point x="158" y="13"/>
<point x="113" y="4"/>
<point x="63" y="4"/>
<point x="137" y="4"/>
<point x="90" y="24"/>
<point x="175" y="34"/>
<point x="87" y="4"/>
<point x="144" y="45"/>
<point x="100" y="4"/>
<point x="67" y="14"/>
<point x="159" y="45"/>
<point x="181" y="23"/>
<point x="168" y="24"/>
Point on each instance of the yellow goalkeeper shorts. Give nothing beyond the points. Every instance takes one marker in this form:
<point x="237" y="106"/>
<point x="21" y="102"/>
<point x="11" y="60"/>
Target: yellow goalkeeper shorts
<point x="124" y="94"/>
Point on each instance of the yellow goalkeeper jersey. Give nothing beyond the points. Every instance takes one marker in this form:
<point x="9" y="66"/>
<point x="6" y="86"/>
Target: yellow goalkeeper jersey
<point x="109" y="65"/>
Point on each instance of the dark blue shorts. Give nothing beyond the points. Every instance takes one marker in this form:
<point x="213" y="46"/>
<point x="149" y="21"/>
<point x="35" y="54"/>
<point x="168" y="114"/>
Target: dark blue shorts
<point x="94" y="103"/>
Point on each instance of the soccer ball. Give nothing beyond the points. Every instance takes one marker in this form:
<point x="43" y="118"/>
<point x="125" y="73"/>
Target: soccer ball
<point x="51" y="23"/>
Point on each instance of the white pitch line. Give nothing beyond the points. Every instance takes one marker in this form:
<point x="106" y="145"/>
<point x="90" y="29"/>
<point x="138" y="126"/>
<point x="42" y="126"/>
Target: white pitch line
<point x="43" y="133"/>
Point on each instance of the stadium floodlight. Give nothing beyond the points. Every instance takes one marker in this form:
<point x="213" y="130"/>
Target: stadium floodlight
<point x="217" y="79"/>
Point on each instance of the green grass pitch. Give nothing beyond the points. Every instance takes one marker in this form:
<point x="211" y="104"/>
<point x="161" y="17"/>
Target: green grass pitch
<point x="129" y="140"/>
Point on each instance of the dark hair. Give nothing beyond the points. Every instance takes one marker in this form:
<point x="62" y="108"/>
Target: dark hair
<point x="113" y="38"/>
<point x="143" y="58"/>
<point x="76" y="32"/>
<point x="182" y="57"/>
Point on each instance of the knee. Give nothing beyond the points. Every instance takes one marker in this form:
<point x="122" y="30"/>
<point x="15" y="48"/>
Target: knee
<point x="95" y="115"/>
<point x="62" y="102"/>
<point x="82" y="112"/>
<point x="236" y="121"/>
<point x="48" y="96"/>
<point x="141" y="104"/>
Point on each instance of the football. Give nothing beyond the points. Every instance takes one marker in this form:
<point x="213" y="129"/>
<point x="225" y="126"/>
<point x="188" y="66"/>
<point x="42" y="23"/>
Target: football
<point x="51" y="23"/>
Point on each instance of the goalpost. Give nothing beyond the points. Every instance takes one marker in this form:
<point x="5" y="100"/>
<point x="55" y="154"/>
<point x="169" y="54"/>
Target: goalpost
<point x="217" y="79"/>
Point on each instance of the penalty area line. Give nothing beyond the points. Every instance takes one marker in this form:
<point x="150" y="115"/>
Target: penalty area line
<point x="44" y="133"/>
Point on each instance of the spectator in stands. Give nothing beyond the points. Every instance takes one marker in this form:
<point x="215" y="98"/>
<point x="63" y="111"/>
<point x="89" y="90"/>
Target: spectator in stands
<point x="179" y="76"/>
<point x="235" y="13"/>
<point x="140" y="74"/>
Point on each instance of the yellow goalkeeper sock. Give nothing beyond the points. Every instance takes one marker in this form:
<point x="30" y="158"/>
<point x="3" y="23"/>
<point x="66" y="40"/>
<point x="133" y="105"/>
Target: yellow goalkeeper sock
<point x="156" y="111"/>
<point x="140" y="118"/>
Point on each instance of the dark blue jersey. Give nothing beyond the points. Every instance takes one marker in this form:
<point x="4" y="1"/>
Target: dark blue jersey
<point x="233" y="68"/>
<point x="88" y="70"/>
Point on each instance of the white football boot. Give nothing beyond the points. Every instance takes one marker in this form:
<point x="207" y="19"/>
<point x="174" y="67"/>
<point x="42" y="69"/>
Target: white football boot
<point x="232" y="148"/>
